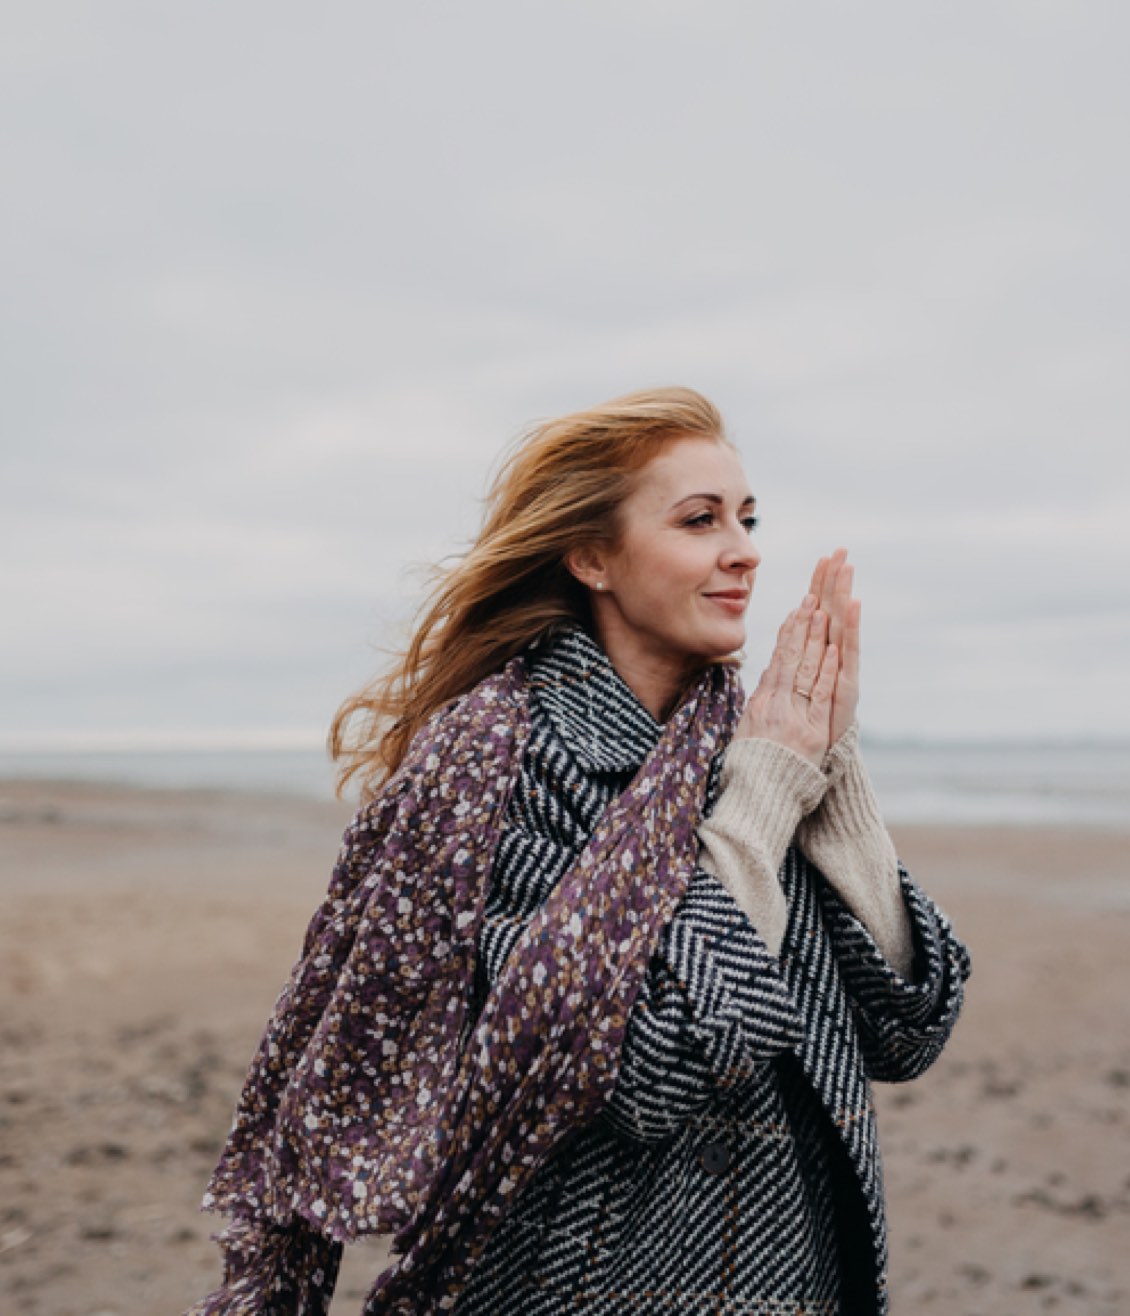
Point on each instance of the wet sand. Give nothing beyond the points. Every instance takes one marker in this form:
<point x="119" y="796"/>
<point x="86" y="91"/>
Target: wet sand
<point x="144" y="935"/>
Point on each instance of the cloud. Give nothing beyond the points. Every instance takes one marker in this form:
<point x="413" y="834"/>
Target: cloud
<point x="280" y="285"/>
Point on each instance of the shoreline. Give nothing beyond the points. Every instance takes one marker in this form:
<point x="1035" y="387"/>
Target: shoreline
<point x="144" y="934"/>
<point x="1084" y="784"/>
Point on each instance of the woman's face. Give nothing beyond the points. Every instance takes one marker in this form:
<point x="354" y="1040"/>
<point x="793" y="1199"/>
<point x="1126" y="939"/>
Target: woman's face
<point x="675" y="589"/>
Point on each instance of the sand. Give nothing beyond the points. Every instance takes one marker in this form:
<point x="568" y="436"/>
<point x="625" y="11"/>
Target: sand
<point x="143" y="936"/>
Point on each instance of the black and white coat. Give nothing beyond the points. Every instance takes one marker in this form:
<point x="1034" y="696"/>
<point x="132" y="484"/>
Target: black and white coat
<point x="736" y="1169"/>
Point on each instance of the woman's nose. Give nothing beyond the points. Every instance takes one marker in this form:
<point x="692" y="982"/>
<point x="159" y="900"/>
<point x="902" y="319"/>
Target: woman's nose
<point x="741" y="553"/>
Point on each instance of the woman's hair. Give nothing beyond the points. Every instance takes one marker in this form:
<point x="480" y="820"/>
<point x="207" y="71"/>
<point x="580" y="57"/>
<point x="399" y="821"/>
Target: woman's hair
<point x="559" y="489"/>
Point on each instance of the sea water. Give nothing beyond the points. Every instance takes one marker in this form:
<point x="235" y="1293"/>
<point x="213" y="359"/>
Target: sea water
<point x="1076" y="784"/>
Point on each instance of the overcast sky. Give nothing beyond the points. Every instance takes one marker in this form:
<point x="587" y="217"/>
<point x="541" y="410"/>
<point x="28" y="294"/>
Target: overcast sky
<point x="280" y="281"/>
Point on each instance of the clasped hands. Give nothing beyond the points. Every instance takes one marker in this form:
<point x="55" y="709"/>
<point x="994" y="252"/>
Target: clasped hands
<point x="807" y="697"/>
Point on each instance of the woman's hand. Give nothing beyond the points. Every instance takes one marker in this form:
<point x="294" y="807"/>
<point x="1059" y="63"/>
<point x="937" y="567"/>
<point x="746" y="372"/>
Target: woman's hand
<point x="831" y="585"/>
<point x="793" y="702"/>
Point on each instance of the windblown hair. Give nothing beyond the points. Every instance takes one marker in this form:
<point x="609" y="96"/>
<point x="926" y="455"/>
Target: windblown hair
<point x="559" y="489"/>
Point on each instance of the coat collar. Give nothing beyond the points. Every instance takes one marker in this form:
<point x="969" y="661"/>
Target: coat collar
<point x="573" y="683"/>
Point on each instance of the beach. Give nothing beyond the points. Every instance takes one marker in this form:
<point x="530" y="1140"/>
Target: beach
<point x="144" y="935"/>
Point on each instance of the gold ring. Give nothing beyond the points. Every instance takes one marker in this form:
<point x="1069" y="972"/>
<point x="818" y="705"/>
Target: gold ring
<point x="804" y="694"/>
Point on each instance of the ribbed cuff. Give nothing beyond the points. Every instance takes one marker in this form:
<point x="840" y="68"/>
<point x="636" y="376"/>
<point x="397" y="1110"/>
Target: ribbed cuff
<point x="849" y="808"/>
<point x="848" y="841"/>
<point x="842" y="754"/>
<point x="765" y="790"/>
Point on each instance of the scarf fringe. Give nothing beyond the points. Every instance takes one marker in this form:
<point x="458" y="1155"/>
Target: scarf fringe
<point x="272" y="1270"/>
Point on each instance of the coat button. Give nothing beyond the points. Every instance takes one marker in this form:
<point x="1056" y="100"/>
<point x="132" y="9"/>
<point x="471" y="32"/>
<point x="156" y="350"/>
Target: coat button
<point x="715" y="1157"/>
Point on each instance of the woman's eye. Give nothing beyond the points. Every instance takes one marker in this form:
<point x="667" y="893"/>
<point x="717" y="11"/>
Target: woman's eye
<point x="706" y="519"/>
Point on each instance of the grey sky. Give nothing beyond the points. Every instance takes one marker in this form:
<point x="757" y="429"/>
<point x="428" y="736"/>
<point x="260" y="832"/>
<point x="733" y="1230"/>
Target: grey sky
<point x="280" y="281"/>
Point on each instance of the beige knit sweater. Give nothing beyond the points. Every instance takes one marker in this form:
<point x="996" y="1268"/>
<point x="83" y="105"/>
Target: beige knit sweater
<point x="768" y="797"/>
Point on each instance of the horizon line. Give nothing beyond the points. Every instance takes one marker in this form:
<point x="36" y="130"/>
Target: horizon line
<point x="306" y="740"/>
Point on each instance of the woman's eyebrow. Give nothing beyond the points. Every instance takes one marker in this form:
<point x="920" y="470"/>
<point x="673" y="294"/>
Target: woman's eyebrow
<point x="748" y="501"/>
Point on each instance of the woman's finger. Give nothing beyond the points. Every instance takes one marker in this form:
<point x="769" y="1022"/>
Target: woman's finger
<point x="816" y="588"/>
<point x="846" y="700"/>
<point x="851" y="642"/>
<point x="790" y="646"/>
<point x="771" y="677"/>
<point x="832" y="599"/>
<point x="841" y="600"/>
<point x="809" y="667"/>
<point x="825" y="687"/>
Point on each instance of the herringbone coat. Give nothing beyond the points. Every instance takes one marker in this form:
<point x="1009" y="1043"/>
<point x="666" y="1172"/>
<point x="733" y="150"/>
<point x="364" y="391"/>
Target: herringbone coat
<point x="737" y="1167"/>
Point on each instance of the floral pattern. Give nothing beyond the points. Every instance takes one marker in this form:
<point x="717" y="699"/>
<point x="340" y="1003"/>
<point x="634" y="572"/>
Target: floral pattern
<point x="375" y="1102"/>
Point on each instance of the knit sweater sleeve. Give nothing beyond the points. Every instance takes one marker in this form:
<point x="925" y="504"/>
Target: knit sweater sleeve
<point x="765" y="791"/>
<point x="900" y="962"/>
<point x="714" y="1005"/>
<point x="846" y="838"/>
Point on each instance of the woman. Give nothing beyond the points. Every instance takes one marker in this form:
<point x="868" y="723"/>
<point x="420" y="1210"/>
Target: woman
<point x="609" y="957"/>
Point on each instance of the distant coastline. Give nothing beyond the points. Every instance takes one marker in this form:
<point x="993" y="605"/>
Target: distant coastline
<point x="1065" y="783"/>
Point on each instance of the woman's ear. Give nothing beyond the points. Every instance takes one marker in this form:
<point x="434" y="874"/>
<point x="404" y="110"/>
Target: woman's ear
<point x="587" y="565"/>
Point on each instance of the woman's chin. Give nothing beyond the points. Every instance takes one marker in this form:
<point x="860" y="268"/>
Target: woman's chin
<point x="723" y="643"/>
<point x="731" y="638"/>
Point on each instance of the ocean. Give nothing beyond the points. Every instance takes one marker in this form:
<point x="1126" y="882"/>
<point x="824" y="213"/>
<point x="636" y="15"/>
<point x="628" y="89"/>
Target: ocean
<point x="988" y="783"/>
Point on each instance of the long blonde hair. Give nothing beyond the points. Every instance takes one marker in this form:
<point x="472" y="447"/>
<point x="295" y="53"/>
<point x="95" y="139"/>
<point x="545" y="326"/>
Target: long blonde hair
<point x="559" y="489"/>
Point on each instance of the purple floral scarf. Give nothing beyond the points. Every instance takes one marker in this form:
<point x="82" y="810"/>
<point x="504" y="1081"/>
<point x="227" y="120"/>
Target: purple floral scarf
<point x="375" y="1102"/>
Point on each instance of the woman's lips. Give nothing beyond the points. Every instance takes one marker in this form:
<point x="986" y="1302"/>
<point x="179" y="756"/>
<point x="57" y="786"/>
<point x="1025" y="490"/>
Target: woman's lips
<point x="733" y="601"/>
